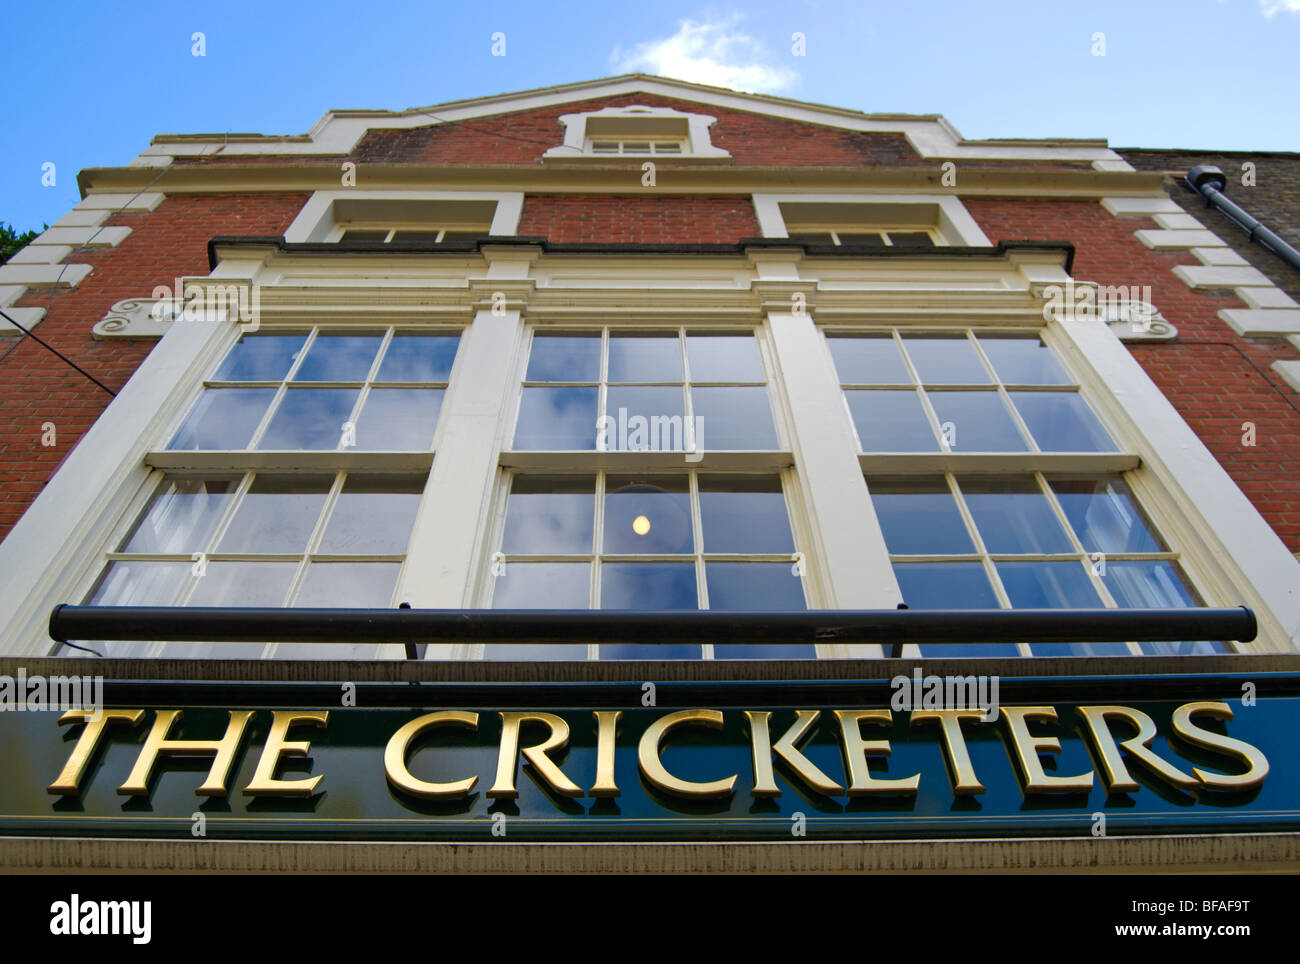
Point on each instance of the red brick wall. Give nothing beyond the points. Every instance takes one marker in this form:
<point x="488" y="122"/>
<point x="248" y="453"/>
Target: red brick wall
<point x="1216" y="379"/>
<point x="522" y="138"/>
<point x="661" y="219"/>
<point x="36" y="387"/>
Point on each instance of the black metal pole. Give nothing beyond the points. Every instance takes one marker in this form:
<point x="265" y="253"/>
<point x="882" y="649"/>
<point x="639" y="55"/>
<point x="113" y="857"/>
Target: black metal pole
<point x="890" y="626"/>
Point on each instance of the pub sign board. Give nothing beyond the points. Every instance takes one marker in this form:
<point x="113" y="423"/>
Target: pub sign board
<point x="703" y="761"/>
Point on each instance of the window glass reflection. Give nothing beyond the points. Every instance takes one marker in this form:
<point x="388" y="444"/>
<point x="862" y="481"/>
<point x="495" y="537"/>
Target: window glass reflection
<point x="919" y="516"/>
<point x="645" y="358"/>
<point x="1062" y="422"/>
<point x="1105" y="516"/>
<point x="310" y="418"/>
<point x="564" y="358"/>
<point x="1024" y="361"/>
<point x="891" y="421"/>
<point x="399" y="419"/>
<point x="338" y="358"/>
<point x="724" y="358"/>
<point x="648" y="518"/>
<point x="744" y="516"/>
<point x="223" y="418"/>
<point x="557" y="419"/>
<point x="549" y="516"/>
<point x="372" y="515"/>
<point x="1013" y="515"/>
<point x="737" y="418"/>
<point x="181" y="516"/>
<point x="418" y="358"/>
<point x="260" y="358"/>
<point x="979" y="422"/>
<point x="946" y="360"/>
<point x="872" y="360"/>
<point x="277" y="514"/>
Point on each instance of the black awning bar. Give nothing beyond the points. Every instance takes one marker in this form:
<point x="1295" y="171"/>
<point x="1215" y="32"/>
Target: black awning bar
<point x="415" y="626"/>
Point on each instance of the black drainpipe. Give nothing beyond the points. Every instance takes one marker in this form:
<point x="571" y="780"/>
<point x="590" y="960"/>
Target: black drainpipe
<point x="1209" y="182"/>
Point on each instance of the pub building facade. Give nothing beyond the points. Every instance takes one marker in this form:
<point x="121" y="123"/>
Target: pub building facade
<point x="635" y="475"/>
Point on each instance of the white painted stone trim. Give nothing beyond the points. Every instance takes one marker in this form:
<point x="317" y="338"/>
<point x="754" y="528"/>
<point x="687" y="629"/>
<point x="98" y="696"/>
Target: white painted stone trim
<point x="29" y="318"/>
<point x="337" y="132"/>
<point x="32" y="275"/>
<point x="1262" y="322"/>
<point x="1272" y="311"/>
<point x="952" y="220"/>
<point x="145" y="201"/>
<point x="87" y="236"/>
<point x="34" y="253"/>
<point x="1290" y="372"/>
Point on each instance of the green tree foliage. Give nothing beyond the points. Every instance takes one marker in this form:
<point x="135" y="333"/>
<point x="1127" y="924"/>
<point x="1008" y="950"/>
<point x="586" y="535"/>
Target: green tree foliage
<point x="11" y="242"/>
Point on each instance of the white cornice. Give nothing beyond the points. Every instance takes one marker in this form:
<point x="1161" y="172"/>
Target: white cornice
<point x="338" y="131"/>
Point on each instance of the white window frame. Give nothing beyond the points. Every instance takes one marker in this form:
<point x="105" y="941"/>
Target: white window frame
<point x="320" y="218"/>
<point x="636" y="122"/>
<point x="944" y="216"/>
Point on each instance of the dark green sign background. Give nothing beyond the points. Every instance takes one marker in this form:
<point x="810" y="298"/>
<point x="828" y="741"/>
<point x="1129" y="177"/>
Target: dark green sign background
<point x="355" y="802"/>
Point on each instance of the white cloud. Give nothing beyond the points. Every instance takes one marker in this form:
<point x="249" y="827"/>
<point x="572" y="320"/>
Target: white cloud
<point x="1271" y="7"/>
<point x="709" y="53"/>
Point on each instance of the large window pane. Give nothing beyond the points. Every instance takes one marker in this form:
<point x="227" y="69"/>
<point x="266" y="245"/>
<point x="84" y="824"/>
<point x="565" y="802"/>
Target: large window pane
<point x="733" y="418"/>
<point x="1014" y="516"/>
<point x="645" y="358"/>
<point x="919" y="517"/>
<point x="277" y="514"/>
<point x="950" y="585"/>
<point x="1024" y="361"/>
<point x="548" y="516"/>
<point x="134" y="584"/>
<point x="543" y="585"/>
<point x="872" y="360"/>
<point x="771" y="586"/>
<point x="648" y="518"/>
<point x="1048" y="585"/>
<point x="946" y="360"/>
<point x="418" y="358"/>
<point x="365" y="585"/>
<point x="891" y="421"/>
<point x="645" y="419"/>
<point x="182" y="516"/>
<point x="399" y="419"/>
<point x="980" y="422"/>
<point x="310" y="418"/>
<point x="1156" y="584"/>
<point x="338" y="358"/>
<point x="564" y="358"/>
<point x="1105" y="517"/>
<point x="557" y="419"/>
<point x="372" y="515"/>
<point x="1062" y="422"/>
<point x="648" y="585"/>
<point x="744" y="515"/>
<point x="260" y="358"/>
<point x="724" y="358"/>
<point x="223" y="418"/>
<point x="243" y="584"/>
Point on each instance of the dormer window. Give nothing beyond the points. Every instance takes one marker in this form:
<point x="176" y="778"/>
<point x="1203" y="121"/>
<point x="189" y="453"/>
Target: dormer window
<point x="636" y="131"/>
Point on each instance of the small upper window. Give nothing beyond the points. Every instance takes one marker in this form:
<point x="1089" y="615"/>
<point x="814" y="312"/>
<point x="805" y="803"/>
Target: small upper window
<point x="907" y="237"/>
<point x="636" y="130"/>
<point x="636" y="147"/>
<point x="410" y="235"/>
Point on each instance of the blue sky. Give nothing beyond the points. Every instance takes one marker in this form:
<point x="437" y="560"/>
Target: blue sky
<point x="93" y="82"/>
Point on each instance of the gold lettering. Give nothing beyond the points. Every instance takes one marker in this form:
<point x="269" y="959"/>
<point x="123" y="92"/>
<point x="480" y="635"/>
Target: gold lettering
<point x="68" y="783"/>
<point x="787" y="748"/>
<point x="861" y="782"/>
<point x="955" y="753"/>
<point x="606" y="729"/>
<point x="1027" y="748"/>
<point x="652" y="767"/>
<point x="264" y="782"/>
<point x="508" y="757"/>
<point x="157" y="744"/>
<point x="395" y="755"/>
<point x="1118" y="779"/>
<point x="1207" y="739"/>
